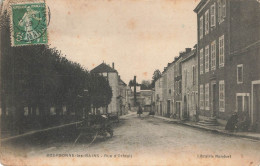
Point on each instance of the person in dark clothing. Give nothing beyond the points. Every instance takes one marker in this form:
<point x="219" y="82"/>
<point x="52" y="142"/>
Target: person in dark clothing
<point x="244" y="122"/>
<point x="232" y="122"/>
<point x="140" y="111"/>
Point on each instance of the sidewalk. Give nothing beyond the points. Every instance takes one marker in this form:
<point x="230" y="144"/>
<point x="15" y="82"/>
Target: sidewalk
<point x="215" y="129"/>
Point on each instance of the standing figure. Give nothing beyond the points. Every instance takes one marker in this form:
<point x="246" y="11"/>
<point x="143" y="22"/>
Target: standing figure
<point x="140" y="111"/>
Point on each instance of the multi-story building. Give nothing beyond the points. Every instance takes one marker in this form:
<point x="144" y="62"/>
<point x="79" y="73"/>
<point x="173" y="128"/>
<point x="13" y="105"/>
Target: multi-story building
<point x="164" y="92"/>
<point x="146" y="99"/>
<point x="178" y="85"/>
<point x="228" y="49"/>
<point x="170" y="90"/>
<point x="189" y="84"/>
<point x="158" y="96"/>
<point x="112" y="76"/>
<point x="122" y="96"/>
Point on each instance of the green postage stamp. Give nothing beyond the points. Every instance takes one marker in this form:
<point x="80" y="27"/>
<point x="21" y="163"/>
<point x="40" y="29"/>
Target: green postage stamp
<point x="28" y="24"/>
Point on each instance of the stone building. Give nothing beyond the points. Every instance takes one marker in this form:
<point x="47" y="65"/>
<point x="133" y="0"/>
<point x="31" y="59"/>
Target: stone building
<point x="170" y="90"/>
<point x="164" y="92"/>
<point x="158" y="96"/>
<point x="146" y="99"/>
<point x="178" y="85"/>
<point x="228" y="49"/>
<point x="122" y="97"/>
<point x="189" y="84"/>
<point x="111" y="74"/>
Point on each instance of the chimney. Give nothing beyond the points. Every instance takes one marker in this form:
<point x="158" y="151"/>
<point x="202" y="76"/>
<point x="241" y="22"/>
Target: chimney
<point x="188" y="50"/>
<point x="113" y="65"/>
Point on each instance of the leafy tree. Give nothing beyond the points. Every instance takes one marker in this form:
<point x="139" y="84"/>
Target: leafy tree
<point x="156" y="75"/>
<point x="41" y="77"/>
<point x="146" y="85"/>
<point x="100" y="91"/>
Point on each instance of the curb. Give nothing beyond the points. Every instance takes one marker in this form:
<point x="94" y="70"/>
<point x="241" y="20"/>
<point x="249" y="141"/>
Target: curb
<point x="208" y="129"/>
<point x="38" y="131"/>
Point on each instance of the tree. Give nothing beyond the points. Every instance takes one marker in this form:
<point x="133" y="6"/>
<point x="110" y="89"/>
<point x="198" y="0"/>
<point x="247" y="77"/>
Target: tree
<point x="38" y="76"/>
<point x="146" y="85"/>
<point x="100" y="91"/>
<point x="156" y="75"/>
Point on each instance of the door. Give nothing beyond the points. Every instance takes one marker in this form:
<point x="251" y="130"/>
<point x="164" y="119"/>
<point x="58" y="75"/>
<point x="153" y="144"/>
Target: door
<point x="160" y="108"/>
<point x="214" y="99"/>
<point x="168" y="108"/>
<point x="256" y="106"/>
<point x="239" y="104"/>
<point x="185" y="108"/>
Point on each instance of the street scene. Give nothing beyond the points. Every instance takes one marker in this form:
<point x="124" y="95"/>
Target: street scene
<point x="138" y="138"/>
<point x="112" y="82"/>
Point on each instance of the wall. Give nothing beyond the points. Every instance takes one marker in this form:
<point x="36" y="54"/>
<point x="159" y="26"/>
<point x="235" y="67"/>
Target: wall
<point x="189" y="87"/>
<point x="113" y="107"/>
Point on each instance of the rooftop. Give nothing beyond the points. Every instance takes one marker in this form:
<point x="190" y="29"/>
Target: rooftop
<point x="103" y="68"/>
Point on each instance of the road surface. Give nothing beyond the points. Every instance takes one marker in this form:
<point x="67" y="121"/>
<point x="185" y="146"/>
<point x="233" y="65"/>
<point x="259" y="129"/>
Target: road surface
<point x="139" y="141"/>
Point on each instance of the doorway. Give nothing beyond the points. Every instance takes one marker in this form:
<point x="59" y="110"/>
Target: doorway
<point x="185" y="109"/>
<point x="256" y="106"/>
<point x="178" y="109"/>
<point x="214" y="99"/>
<point x="168" y="108"/>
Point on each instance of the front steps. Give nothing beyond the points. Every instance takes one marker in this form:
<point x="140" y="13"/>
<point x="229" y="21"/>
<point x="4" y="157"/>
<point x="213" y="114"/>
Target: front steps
<point x="208" y="122"/>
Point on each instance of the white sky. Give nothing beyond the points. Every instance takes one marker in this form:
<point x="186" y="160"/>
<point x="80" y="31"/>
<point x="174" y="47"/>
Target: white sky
<point x="138" y="35"/>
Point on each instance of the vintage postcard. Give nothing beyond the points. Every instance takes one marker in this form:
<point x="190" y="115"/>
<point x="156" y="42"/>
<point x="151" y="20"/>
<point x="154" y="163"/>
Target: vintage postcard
<point x="130" y="82"/>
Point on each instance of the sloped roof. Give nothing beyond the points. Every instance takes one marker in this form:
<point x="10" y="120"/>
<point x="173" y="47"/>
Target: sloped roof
<point x="122" y="82"/>
<point x="103" y="68"/>
<point x="187" y="56"/>
<point x="199" y="6"/>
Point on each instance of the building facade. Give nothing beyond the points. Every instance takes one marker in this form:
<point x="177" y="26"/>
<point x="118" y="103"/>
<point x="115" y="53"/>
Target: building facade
<point x="170" y="90"/>
<point x="189" y="84"/>
<point x="112" y="76"/>
<point x="164" y="92"/>
<point x="178" y="85"/>
<point x="228" y="52"/>
<point x="122" y="97"/>
<point x="146" y="99"/>
<point x="158" y="96"/>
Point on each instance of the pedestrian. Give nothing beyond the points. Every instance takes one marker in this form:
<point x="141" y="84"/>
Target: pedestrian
<point x="232" y="122"/>
<point x="140" y="111"/>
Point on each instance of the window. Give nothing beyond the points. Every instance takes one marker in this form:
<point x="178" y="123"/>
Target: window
<point x="221" y="51"/>
<point x="207" y="96"/>
<point x="207" y="22"/>
<point x="104" y="74"/>
<point x="206" y="59"/>
<point x="242" y="102"/>
<point x="201" y="62"/>
<point x="213" y="15"/>
<point x="194" y="75"/>
<point x="201" y="97"/>
<point x="213" y="55"/>
<point x="201" y="27"/>
<point x="240" y="74"/>
<point x="221" y="96"/>
<point x="221" y="10"/>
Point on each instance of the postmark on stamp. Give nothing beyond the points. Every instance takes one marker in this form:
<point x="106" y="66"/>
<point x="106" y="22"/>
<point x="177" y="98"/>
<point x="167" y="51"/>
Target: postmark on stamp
<point x="28" y="24"/>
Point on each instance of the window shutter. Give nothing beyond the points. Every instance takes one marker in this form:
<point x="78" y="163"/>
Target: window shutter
<point x="213" y="15"/>
<point x="223" y="8"/>
<point x="219" y="11"/>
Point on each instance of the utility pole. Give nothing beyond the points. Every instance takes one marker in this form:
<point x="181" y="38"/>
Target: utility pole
<point x="134" y="90"/>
